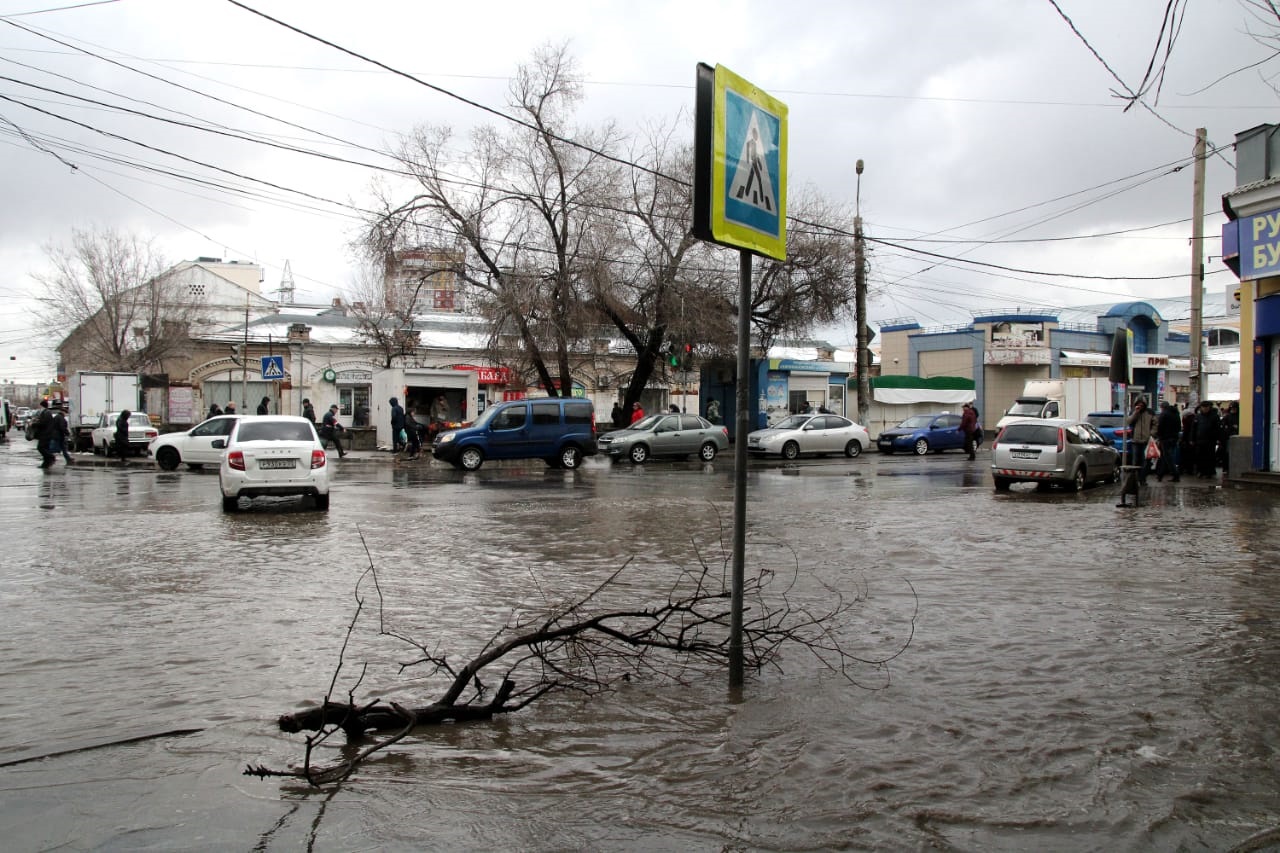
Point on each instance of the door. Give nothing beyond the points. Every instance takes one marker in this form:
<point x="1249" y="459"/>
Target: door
<point x="509" y="433"/>
<point x="1273" y="406"/>
<point x="198" y="447"/>
<point x="669" y="439"/>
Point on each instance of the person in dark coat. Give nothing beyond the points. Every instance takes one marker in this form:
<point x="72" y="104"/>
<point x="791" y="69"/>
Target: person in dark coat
<point x="1187" y="444"/>
<point x="1168" y="431"/>
<point x="1230" y="427"/>
<point x="616" y="417"/>
<point x="968" y="426"/>
<point x="43" y="428"/>
<point x="214" y="410"/>
<point x="331" y="429"/>
<point x="61" y="434"/>
<point x="122" y="434"/>
<point x="413" y="433"/>
<point x="1207" y="429"/>
<point x="397" y="424"/>
<point x="231" y="407"/>
<point x="308" y="411"/>
<point x="264" y="408"/>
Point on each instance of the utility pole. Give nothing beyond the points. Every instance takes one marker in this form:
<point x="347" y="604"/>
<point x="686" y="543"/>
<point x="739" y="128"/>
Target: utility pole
<point x="1197" y="268"/>
<point x="860" y="305"/>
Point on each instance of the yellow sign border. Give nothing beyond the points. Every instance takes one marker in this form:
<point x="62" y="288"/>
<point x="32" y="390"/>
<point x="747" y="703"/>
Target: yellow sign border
<point x="722" y="229"/>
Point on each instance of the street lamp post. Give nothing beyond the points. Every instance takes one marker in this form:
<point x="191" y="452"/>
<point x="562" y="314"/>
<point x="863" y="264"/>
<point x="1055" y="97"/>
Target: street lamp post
<point x="860" y="305"/>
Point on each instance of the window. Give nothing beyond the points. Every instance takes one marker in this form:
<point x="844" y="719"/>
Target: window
<point x="218" y="426"/>
<point x="1025" y="433"/>
<point x="512" y="418"/>
<point x="693" y="422"/>
<point x="577" y="413"/>
<point x="255" y="430"/>
<point x="546" y="414"/>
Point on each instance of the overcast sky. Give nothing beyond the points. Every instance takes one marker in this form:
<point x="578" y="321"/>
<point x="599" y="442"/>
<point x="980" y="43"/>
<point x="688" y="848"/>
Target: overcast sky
<point x="989" y="124"/>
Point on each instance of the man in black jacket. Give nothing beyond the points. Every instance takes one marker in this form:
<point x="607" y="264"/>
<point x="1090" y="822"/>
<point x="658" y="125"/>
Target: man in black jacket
<point x="43" y="427"/>
<point x="1168" y="430"/>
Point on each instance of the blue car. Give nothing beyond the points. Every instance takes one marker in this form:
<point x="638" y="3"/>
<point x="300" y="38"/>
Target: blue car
<point x="921" y="434"/>
<point x="1111" y="426"/>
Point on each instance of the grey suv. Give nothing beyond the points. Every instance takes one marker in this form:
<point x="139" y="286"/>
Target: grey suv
<point x="1055" y="451"/>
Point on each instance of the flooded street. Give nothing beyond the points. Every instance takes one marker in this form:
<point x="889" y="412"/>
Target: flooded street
<point x="1081" y="677"/>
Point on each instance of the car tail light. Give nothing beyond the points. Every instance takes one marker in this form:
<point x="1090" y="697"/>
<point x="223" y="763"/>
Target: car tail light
<point x="725" y="430"/>
<point x="317" y="459"/>
<point x="1062" y="439"/>
<point x="593" y="421"/>
<point x="996" y="440"/>
<point x="235" y="460"/>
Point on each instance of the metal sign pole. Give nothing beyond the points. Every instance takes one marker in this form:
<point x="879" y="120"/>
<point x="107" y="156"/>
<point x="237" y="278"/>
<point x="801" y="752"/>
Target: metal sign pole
<point x="736" y="668"/>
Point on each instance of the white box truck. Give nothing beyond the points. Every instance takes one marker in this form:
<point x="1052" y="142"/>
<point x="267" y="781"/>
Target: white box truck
<point x="91" y="393"/>
<point x="1059" y="398"/>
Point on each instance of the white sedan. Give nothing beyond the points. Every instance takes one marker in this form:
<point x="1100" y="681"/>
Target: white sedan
<point x="817" y="434"/>
<point x="141" y="433"/>
<point x="193" y="447"/>
<point x="272" y="455"/>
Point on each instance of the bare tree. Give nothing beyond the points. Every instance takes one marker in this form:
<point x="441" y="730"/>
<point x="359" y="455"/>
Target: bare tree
<point x="385" y="320"/>
<point x="587" y="646"/>
<point x="108" y="302"/>
<point x="522" y="203"/>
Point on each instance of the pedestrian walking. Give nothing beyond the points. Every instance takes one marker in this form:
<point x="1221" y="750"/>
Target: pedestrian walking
<point x="1142" y="425"/>
<point x="308" y="411"/>
<point x="214" y="410"/>
<point x="397" y="426"/>
<point x="122" y="435"/>
<point x="331" y="430"/>
<point x="412" y="433"/>
<point x="968" y="426"/>
<point x="1168" y="433"/>
<point x="264" y="408"/>
<point x="61" y="434"/>
<point x="1187" y="444"/>
<point x="1207" y="428"/>
<point x="42" y="427"/>
<point x="231" y="408"/>
<point x="637" y="412"/>
<point x="713" y="410"/>
<point x="616" y="417"/>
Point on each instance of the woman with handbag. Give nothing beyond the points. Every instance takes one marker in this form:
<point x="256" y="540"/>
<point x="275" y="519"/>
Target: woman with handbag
<point x="1143" y="427"/>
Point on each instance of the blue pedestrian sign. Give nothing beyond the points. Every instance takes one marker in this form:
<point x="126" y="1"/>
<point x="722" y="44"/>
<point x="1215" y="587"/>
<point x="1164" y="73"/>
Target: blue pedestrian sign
<point x="273" y="367"/>
<point x="740" y="183"/>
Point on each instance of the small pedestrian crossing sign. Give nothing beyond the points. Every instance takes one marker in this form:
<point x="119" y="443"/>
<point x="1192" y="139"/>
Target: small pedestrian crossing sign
<point x="740" y="183"/>
<point x="273" y="367"/>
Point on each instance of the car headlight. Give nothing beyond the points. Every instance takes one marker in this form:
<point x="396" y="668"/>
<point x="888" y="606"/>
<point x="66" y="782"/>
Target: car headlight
<point x="446" y="438"/>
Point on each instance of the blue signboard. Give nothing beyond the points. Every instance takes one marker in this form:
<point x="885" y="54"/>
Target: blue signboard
<point x="1253" y="242"/>
<point x="273" y="367"/>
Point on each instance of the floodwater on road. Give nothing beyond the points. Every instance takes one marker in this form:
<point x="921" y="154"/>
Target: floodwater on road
<point x="1080" y="677"/>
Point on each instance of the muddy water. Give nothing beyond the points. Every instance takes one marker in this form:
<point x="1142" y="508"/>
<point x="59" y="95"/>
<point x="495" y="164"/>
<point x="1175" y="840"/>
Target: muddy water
<point x="1079" y="677"/>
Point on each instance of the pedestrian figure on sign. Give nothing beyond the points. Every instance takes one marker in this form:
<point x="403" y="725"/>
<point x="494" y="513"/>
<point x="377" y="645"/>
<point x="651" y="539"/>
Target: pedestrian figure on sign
<point x="755" y="178"/>
<point x="122" y="435"/>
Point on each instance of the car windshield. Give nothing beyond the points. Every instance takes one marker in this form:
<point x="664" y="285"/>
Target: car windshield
<point x="1028" y="433"/>
<point x="1025" y="409"/>
<point x="274" y="431"/>
<point x="916" y="421"/>
<point x="793" y="422"/>
<point x="647" y="422"/>
<point x="139" y="419"/>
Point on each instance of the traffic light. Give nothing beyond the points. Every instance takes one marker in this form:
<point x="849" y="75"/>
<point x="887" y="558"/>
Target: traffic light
<point x="686" y="357"/>
<point x="673" y="355"/>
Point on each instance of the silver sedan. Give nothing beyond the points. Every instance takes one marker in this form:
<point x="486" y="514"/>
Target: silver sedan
<point x="667" y="434"/>
<point x="817" y="434"/>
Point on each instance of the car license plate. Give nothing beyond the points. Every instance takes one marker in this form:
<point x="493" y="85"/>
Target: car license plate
<point x="276" y="463"/>
<point x="1024" y="454"/>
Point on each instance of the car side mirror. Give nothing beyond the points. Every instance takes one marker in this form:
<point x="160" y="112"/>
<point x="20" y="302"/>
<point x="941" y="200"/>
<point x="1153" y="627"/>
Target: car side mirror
<point x="219" y="444"/>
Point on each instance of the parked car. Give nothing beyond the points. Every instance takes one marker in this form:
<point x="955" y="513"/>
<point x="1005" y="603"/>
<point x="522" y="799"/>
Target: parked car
<point x="921" y="434"/>
<point x="272" y="455"/>
<point x="193" y="447"/>
<point x="1111" y="426"/>
<point x="1054" y="451"/>
<point x="810" y="433"/>
<point x="665" y="434"/>
<point x="141" y="433"/>
<point x="558" y="430"/>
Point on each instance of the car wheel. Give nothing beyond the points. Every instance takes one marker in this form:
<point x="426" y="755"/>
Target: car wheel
<point x="322" y="503"/>
<point x="1079" y="480"/>
<point x="471" y="459"/>
<point x="922" y="446"/>
<point x="708" y="451"/>
<point x="638" y="454"/>
<point x="1002" y="484"/>
<point x="167" y="458"/>
<point x="1114" y="476"/>
<point x="853" y="449"/>
<point x="230" y="504"/>
<point x="570" y="457"/>
<point x="790" y="450"/>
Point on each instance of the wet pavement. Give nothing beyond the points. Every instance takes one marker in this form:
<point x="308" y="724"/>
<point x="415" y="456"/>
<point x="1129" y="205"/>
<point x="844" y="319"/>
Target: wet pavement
<point x="1080" y="677"/>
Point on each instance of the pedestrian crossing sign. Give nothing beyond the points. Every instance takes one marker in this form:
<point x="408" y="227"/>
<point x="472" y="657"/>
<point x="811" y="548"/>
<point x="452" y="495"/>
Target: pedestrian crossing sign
<point x="273" y="367"/>
<point x="740" y="183"/>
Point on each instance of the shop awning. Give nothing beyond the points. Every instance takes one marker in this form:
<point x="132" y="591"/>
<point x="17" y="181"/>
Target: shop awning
<point x="1074" y="358"/>
<point x="905" y="390"/>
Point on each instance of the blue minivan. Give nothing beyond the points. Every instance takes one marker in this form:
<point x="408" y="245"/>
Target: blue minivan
<point x="558" y="430"/>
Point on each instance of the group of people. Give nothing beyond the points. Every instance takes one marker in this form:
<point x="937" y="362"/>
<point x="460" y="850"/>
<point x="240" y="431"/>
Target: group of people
<point x="52" y="433"/>
<point x="621" y="419"/>
<point x="1193" y="443"/>
<point x="407" y="433"/>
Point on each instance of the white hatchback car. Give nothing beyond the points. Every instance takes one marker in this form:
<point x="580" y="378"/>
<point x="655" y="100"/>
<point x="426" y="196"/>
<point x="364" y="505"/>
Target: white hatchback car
<point x="272" y="455"/>
<point x="810" y="433"/>
<point x="193" y="447"/>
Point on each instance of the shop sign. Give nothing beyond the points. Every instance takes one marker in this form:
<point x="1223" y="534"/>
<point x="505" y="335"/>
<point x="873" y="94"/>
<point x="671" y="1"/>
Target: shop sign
<point x="1149" y="360"/>
<point x="1017" y="355"/>
<point x="355" y="377"/>
<point x="488" y="375"/>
